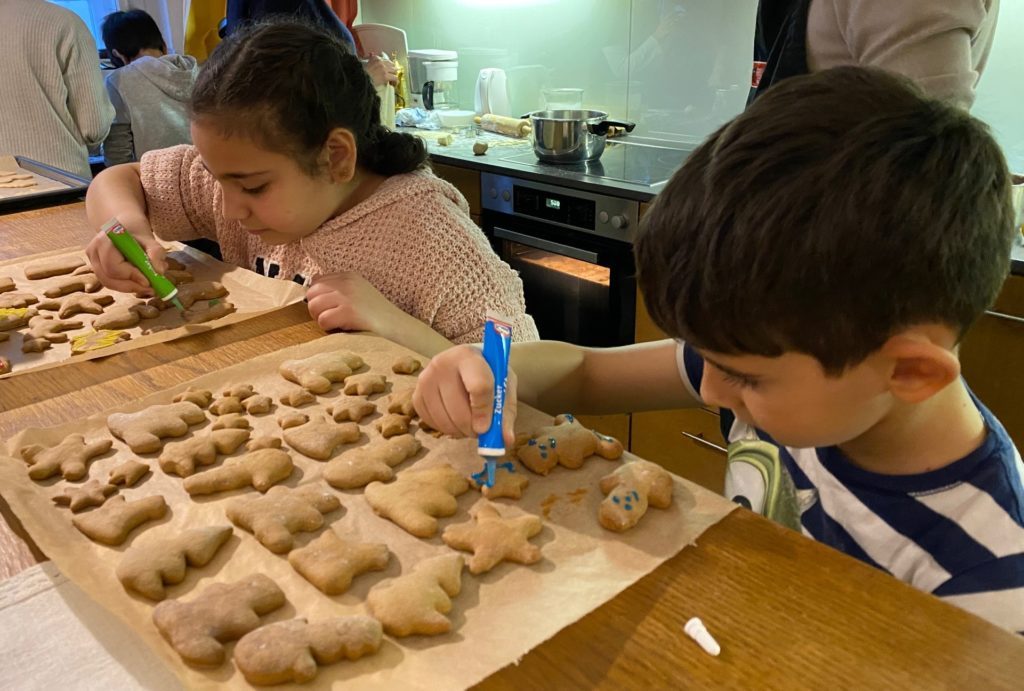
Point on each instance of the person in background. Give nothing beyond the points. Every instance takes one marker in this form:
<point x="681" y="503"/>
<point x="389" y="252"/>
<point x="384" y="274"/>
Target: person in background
<point x="943" y="46"/>
<point x="149" y="90"/>
<point x="54" y="104"/>
<point x="816" y="263"/>
<point x="295" y="177"/>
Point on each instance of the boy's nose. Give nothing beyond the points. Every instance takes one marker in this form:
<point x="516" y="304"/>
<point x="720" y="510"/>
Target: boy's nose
<point x="716" y="391"/>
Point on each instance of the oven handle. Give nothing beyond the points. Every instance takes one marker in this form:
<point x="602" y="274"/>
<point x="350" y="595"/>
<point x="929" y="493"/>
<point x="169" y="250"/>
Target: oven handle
<point x="546" y="245"/>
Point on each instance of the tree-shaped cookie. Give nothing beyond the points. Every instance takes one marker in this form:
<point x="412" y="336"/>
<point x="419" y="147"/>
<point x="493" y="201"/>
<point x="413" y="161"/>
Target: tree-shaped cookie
<point x="493" y="539"/>
<point x="44" y="331"/>
<point x="92" y="493"/>
<point x="567" y="442"/>
<point x="319" y="437"/>
<point x="125" y="316"/>
<point x="181" y="458"/>
<point x="222" y="612"/>
<point x="317" y="372"/>
<point x="144" y="431"/>
<point x="330" y="562"/>
<point x="417" y="602"/>
<point x="509" y="482"/>
<point x="359" y="467"/>
<point x="289" y="651"/>
<point x="417" y="497"/>
<point x="69" y="458"/>
<point x="351" y="409"/>
<point x="630" y="489"/>
<point x="261" y="469"/>
<point x="111" y="523"/>
<point x="365" y="384"/>
<point x="275" y="517"/>
<point x="162" y="559"/>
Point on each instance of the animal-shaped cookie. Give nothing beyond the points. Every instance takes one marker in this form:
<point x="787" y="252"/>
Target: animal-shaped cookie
<point x="128" y="473"/>
<point x="631" y="488"/>
<point x="261" y="469"/>
<point x="44" y="331"/>
<point x="92" y="493"/>
<point x="330" y="562"/>
<point x="181" y="458"/>
<point x="275" y="517"/>
<point x="290" y="651"/>
<point x="319" y="437"/>
<point x="69" y="458"/>
<point x="162" y="559"/>
<point x="145" y="430"/>
<point x="401" y="403"/>
<point x="418" y="497"/>
<point x="392" y="424"/>
<point x="509" y="482"/>
<point x="365" y="384"/>
<point x="493" y="539"/>
<point x="317" y="372"/>
<point x="84" y="283"/>
<point x="111" y="523"/>
<point x="417" y="602"/>
<point x="222" y="612"/>
<point x="56" y="266"/>
<point x="567" y="442"/>
<point x="351" y="409"/>
<point x="406" y="365"/>
<point x="125" y="316"/>
<point x="359" y="467"/>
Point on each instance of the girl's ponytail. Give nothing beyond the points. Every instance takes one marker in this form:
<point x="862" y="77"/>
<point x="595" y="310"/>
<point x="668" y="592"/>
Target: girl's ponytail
<point x="392" y="153"/>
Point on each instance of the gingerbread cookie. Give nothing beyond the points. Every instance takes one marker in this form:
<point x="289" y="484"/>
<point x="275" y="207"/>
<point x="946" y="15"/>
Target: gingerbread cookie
<point x="392" y="424"/>
<point x="317" y="372"/>
<point x="493" y="539"/>
<point x="365" y="384"/>
<point x="275" y="517"/>
<point x="359" y="467"/>
<point x="158" y="560"/>
<point x="179" y="276"/>
<point x="239" y="391"/>
<point x="44" y="331"/>
<point x="191" y="293"/>
<point x="128" y="473"/>
<point x="291" y="418"/>
<point x="201" y="397"/>
<point x="330" y="563"/>
<point x="97" y="340"/>
<point x="319" y="438"/>
<point x="567" y="442"/>
<point x="401" y="403"/>
<point x="289" y="651"/>
<point x="351" y="409"/>
<point x="80" y="283"/>
<point x="231" y="421"/>
<point x="297" y="397"/>
<point x="15" y="317"/>
<point x="47" y="268"/>
<point x="6" y="284"/>
<point x="226" y="405"/>
<point x="111" y="523"/>
<point x="265" y="441"/>
<point x="508" y="481"/>
<point x="92" y="493"/>
<point x="125" y="316"/>
<point x="261" y="469"/>
<point x="144" y="431"/>
<point x="631" y="488"/>
<point x="69" y="458"/>
<point x="417" y="497"/>
<point x="79" y="304"/>
<point x="406" y="365"/>
<point x="416" y="603"/>
<point x="17" y="301"/>
<point x="182" y="457"/>
<point x="258" y="404"/>
<point x="208" y="311"/>
<point x="222" y="612"/>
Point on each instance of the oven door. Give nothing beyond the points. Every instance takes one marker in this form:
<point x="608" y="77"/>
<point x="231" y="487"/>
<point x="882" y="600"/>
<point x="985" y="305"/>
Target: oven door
<point x="579" y="287"/>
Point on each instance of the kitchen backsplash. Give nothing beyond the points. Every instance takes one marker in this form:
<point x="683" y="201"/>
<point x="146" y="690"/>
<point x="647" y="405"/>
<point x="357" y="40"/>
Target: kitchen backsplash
<point x="678" y="68"/>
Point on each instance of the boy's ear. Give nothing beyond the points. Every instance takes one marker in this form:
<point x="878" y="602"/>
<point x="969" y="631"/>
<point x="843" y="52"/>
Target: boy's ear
<point x="115" y="53"/>
<point x="340" y="152"/>
<point x="920" y="366"/>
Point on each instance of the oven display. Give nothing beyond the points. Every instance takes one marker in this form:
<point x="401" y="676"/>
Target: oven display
<point x="559" y="208"/>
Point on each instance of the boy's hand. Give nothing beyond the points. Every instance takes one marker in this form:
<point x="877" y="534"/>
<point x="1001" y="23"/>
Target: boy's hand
<point x="455" y="395"/>
<point x="349" y="302"/>
<point x="116" y="272"/>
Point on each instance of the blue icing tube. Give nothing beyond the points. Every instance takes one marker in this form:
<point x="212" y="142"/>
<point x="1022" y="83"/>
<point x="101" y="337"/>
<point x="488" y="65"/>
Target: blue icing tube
<point x="497" y="347"/>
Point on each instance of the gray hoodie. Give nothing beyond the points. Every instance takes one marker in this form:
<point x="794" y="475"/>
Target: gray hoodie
<point x="150" y="98"/>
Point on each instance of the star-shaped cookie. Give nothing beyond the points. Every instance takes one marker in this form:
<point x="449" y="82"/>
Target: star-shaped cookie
<point x="493" y="539"/>
<point x="92" y="493"/>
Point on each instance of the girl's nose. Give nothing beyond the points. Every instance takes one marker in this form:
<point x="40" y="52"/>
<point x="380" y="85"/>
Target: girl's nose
<point x="234" y="208"/>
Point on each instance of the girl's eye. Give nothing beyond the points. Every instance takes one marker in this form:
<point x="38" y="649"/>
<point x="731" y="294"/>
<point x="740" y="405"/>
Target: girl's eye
<point x="255" y="190"/>
<point x="743" y="382"/>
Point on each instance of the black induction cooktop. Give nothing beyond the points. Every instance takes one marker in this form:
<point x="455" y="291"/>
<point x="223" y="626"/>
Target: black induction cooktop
<point x="637" y="164"/>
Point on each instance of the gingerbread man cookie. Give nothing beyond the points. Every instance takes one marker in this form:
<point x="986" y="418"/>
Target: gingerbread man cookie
<point x="69" y="458"/>
<point x="417" y="498"/>
<point x="493" y="539"/>
<point x="330" y="563"/>
<point x="44" y="331"/>
<point x="631" y="488"/>
<point x="162" y="559"/>
<point x="275" y="517"/>
<point x="359" y="467"/>
<point x="567" y="442"/>
<point x="317" y="372"/>
<point x="111" y="523"/>
<point x="145" y="430"/>
<point x="417" y="602"/>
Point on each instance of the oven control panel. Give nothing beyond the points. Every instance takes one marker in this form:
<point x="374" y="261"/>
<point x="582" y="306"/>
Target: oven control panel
<point x="598" y="214"/>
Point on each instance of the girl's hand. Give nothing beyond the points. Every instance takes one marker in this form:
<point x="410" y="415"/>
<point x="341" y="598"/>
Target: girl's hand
<point x="349" y="302"/>
<point x="116" y="272"/>
<point x="455" y="395"/>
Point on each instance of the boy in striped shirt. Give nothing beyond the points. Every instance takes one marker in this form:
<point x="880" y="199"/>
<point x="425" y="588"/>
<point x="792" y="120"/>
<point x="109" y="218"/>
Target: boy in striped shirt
<point x="817" y="262"/>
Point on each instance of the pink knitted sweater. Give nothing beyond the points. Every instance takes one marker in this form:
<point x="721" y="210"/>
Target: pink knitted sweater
<point x="412" y="239"/>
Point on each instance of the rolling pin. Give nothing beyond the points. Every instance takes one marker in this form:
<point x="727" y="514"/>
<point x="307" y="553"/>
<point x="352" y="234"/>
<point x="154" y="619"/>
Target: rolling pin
<point x="513" y="127"/>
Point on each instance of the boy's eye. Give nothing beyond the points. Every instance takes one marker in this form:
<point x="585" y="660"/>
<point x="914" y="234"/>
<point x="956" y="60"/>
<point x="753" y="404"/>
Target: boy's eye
<point x="737" y="380"/>
<point x="255" y="190"/>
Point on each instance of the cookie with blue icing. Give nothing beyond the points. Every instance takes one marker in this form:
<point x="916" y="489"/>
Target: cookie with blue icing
<point x="566" y="443"/>
<point x="630" y="489"/>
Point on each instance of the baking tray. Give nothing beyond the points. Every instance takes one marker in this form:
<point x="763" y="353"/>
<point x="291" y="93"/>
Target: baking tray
<point x="56" y="186"/>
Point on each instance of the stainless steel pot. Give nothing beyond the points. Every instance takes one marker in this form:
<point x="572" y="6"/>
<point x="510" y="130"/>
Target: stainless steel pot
<point x="571" y="136"/>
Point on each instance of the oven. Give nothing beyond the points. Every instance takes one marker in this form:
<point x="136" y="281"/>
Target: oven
<point x="574" y="253"/>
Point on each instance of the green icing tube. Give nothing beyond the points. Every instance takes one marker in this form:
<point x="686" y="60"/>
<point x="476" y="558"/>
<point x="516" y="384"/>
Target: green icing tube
<point x="133" y="252"/>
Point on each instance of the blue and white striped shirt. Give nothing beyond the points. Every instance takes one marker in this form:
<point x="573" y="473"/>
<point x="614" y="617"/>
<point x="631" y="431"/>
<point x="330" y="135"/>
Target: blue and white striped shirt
<point x="956" y="532"/>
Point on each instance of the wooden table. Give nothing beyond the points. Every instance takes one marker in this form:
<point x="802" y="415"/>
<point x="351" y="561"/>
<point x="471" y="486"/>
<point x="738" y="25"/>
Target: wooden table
<point x="788" y="612"/>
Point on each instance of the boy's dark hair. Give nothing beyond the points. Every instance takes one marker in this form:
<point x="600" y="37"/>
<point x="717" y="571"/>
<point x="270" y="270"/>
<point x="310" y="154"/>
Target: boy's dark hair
<point x="286" y="84"/>
<point x="838" y="209"/>
<point x="130" y="33"/>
